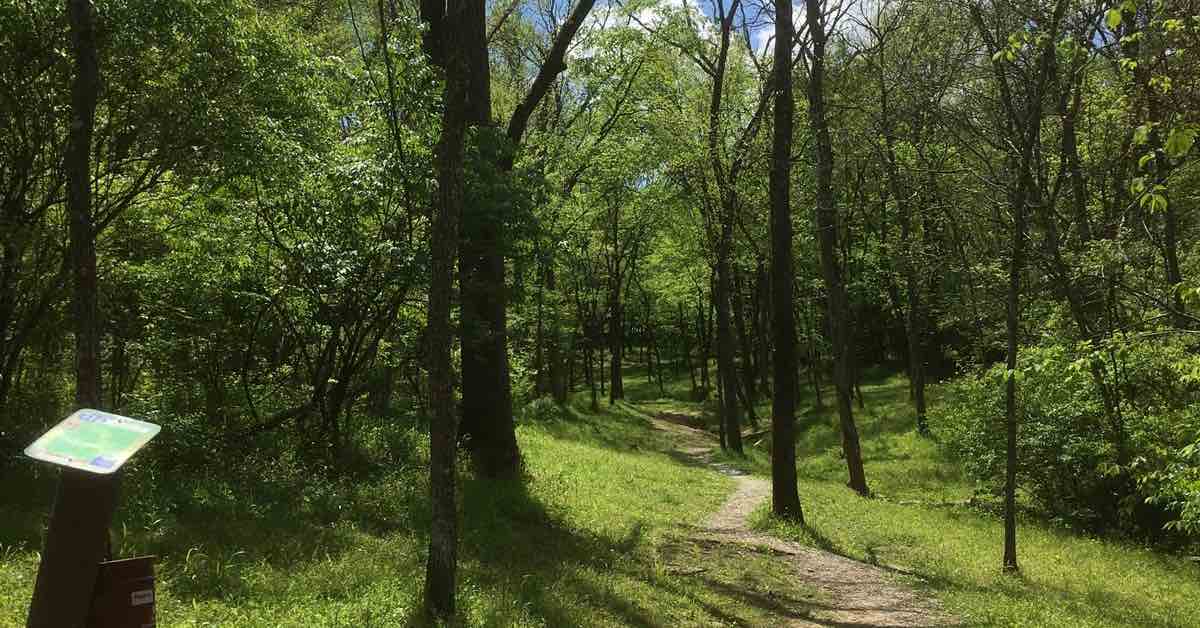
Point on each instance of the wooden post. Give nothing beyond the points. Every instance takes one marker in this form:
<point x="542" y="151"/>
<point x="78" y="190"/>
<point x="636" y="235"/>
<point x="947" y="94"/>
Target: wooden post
<point x="76" y="543"/>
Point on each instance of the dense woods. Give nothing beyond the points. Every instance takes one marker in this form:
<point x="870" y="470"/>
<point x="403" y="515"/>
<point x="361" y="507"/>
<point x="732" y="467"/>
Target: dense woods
<point x="325" y="240"/>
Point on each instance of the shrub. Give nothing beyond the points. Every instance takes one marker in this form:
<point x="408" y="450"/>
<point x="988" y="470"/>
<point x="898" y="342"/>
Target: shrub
<point x="1133" y="469"/>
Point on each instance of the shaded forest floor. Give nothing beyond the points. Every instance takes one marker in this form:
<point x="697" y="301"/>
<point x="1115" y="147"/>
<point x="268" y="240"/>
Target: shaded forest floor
<point x="927" y="526"/>
<point x="602" y="532"/>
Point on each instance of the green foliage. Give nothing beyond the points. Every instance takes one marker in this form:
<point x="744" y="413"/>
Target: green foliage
<point x="1130" y="469"/>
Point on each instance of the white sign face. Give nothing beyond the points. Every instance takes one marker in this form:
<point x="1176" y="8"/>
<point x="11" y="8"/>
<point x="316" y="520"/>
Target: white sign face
<point x="92" y="441"/>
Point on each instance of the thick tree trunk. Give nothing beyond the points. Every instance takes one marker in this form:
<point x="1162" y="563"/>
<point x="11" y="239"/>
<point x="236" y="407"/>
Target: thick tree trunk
<point x="77" y="536"/>
<point x="827" y="235"/>
<point x="785" y="497"/>
<point x="487" y="416"/>
<point x="486" y="386"/>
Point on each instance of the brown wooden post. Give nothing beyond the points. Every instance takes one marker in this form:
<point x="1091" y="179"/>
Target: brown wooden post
<point x="76" y="543"/>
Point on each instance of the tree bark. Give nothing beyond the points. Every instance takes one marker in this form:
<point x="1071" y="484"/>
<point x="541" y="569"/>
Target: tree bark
<point x="558" y="379"/>
<point x="486" y="386"/>
<point x="77" y="536"/>
<point x="727" y="207"/>
<point x="616" y="343"/>
<point x="785" y="497"/>
<point x="747" y="391"/>
<point x="686" y="348"/>
<point x="459" y="29"/>
<point x="827" y="235"/>
<point x="487" y="415"/>
<point x="725" y="349"/>
<point x="705" y="338"/>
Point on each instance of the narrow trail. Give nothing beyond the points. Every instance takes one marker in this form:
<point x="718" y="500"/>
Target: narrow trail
<point x="830" y="590"/>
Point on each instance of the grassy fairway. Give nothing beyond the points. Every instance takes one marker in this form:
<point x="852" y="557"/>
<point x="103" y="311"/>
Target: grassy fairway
<point x="596" y="536"/>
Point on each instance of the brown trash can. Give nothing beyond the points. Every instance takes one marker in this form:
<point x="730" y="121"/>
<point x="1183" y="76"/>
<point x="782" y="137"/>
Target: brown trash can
<point x="124" y="594"/>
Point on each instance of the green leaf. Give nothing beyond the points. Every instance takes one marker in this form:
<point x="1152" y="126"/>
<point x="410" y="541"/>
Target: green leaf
<point x="1141" y="135"/>
<point x="1138" y="185"/>
<point x="1113" y="18"/>
<point x="1180" y="142"/>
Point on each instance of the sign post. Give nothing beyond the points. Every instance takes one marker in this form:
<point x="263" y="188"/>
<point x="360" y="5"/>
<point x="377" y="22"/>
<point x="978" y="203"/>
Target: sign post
<point x="90" y="446"/>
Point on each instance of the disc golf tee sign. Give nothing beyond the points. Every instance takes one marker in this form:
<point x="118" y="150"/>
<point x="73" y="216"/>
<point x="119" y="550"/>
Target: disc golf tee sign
<point x="92" y="441"/>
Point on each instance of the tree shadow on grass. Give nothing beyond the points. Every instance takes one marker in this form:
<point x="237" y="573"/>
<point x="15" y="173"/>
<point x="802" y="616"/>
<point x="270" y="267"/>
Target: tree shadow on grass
<point x="566" y="576"/>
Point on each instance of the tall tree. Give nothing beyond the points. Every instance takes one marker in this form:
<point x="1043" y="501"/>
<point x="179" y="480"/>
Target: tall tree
<point x="1022" y="123"/>
<point x="785" y="496"/>
<point x="882" y="29"/>
<point x="488" y="425"/>
<point x="827" y="235"/>
<point x="454" y="38"/>
<point x="77" y="537"/>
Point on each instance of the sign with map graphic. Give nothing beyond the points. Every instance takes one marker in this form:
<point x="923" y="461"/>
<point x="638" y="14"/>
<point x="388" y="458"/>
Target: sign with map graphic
<point x="92" y="441"/>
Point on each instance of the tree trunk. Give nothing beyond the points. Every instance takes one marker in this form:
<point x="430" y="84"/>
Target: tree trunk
<point x="749" y="362"/>
<point x="912" y="311"/>
<point x="729" y="397"/>
<point x="558" y="380"/>
<point x="541" y="379"/>
<point x="1024" y="129"/>
<point x="762" y="326"/>
<point x="726" y="208"/>
<point x="746" y="392"/>
<point x="486" y="386"/>
<point x="487" y="418"/>
<point x="686" y="346"/>
<point x="458" y="30"/>
<point x="616" y="341"/>
<point x="785" y="497"/>
<point x="77" y="536"/>
<point x="703" y="332"/>
<point x="827" y="235"/>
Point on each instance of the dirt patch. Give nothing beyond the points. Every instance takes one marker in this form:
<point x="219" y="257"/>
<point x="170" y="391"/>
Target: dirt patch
<point x="847" y="592"/>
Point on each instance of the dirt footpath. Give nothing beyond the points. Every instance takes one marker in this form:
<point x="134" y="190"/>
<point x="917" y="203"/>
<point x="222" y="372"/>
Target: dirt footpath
<point x="847" y="592"/>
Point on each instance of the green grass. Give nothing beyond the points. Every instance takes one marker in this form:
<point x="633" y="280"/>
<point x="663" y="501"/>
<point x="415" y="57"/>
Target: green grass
<point x="598" y="534"/>
<point x="922" y="524"/>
